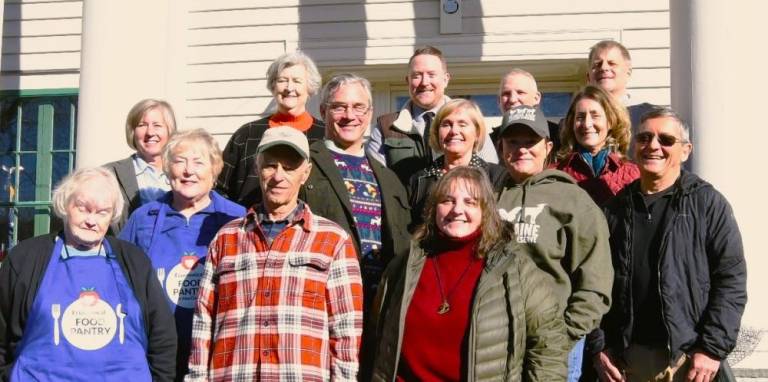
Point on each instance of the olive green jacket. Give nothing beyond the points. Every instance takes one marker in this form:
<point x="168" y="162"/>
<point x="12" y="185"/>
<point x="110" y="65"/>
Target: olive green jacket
<point x="516" y="332"/>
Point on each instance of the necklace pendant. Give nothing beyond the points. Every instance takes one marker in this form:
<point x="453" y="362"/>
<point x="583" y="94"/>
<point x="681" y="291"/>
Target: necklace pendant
<point x="444" y="308"/>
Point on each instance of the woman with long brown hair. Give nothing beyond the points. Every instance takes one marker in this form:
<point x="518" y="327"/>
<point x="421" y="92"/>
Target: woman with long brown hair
<point x="463" y="305"/>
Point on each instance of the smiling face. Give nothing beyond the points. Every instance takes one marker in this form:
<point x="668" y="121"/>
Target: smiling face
<point x="151" y="135"/>
<point x="345" y="123"/>
<point x="458" y="213"/>
<point x="457" y="134"/>
<point x="610" y="71"/>
<point x="291" y="90"/>
<point x="282" y="171"/>
<point x="590" y="125"/>
<point x="660" y="163"/>
<point x="427" y="80"/>
<point x="524" y="152"/>
<point x="89" y="212"/>
<point x="191" y="173"/>
<point x="518" y="89"/>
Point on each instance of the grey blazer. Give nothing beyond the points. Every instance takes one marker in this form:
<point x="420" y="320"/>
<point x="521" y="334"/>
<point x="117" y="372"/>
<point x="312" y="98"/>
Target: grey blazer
<point x="129" y="188"/>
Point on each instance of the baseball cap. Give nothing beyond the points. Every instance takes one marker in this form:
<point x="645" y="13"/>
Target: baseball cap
<point x="528" y="116"/>
<point x="284" y="135"/>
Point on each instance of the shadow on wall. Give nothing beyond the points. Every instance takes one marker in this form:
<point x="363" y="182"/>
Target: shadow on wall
<point x="333" y="35"/>
<point x="10" y="60"/>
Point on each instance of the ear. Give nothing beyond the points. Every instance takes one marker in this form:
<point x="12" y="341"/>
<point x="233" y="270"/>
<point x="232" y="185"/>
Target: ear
<point x="549" y="145"/>
<point x="306" y="172"/>
<point x="447" y="78"/>
<point x="687" y="150"/>
<point x="538" y="97"/>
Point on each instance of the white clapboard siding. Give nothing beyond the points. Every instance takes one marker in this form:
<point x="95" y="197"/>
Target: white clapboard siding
<point x="232" y="42"/>
<point x="41" y="44"/>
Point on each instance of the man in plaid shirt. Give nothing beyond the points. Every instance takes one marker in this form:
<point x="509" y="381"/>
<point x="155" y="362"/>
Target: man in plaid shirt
<point x="281" y="296"/>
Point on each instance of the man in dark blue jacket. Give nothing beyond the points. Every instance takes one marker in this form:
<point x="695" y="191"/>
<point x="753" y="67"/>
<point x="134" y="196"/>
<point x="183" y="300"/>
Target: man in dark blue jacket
<point x="680" y="276"/>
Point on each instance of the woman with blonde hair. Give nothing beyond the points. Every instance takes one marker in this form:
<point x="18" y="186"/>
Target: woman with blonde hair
<point x="595" y="140"/>
<point x="457" y="132"/>
<point x="149" y="124"/>
<point x="464" y="304"/>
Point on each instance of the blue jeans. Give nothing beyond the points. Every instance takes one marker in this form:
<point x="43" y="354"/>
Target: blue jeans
<point x="574" y="361"/>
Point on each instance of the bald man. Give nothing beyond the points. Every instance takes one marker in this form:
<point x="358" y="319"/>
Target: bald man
<point x="518" y="87"/>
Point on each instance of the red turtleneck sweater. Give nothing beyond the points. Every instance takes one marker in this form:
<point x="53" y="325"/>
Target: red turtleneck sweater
<point x="301" y="122"/>
<point x="435" y="345"/>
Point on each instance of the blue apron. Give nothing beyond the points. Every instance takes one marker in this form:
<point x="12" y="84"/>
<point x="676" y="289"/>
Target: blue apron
<point x="177" y="253"/>
<point x="85" y="324"/>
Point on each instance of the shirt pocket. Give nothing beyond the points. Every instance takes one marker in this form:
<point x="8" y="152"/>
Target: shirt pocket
<point x="237" y="277"/>
<point x="311" y="272"/>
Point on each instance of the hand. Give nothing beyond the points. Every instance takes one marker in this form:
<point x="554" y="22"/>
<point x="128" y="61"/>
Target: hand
<point x="703" y="368"/>
<point x="606" y="370"/>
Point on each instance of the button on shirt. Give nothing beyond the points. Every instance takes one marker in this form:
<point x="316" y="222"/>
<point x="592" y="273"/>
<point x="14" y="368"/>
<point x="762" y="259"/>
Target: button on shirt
<point x="153" y="183"/>
<point x="289" y="310"/>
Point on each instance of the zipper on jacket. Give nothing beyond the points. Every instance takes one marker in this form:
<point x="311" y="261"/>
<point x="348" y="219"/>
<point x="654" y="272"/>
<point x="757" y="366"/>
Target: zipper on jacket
<point x="662" y="250"/>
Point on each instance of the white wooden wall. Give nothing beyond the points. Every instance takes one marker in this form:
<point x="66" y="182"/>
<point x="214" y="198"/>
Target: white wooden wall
<point x="218" y="51"/>
<point x="41" y="44"/>
<point x="231" y="43"/>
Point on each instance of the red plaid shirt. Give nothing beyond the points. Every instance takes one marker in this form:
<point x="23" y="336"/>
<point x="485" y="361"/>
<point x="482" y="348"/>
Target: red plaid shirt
<point x="289" y="311"/>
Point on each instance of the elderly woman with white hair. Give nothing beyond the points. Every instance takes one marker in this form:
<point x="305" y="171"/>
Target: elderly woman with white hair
<point x="292" y="78"/>
<point x="75" y="305"/>
<point x="175" y="230"/>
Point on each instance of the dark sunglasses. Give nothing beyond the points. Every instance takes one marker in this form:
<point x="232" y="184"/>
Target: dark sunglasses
<point x="665" y="140"/>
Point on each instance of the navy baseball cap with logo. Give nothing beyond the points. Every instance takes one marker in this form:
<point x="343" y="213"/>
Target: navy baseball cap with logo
<point x="525" y="116"/>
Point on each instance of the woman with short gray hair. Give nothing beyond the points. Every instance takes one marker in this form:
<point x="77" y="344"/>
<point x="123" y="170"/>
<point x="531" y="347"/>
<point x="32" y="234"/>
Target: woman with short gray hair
<point x="175" y="230"/>
<point x="75" y="304"/>
<point x="292" y="78"/>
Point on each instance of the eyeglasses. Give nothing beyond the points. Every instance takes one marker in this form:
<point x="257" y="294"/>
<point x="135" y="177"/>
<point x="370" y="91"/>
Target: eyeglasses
<point x="665" y="140"/>
<point x="358" y="109"/>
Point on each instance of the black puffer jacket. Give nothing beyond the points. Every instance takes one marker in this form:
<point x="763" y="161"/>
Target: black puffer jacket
<point x="702" y="272"/>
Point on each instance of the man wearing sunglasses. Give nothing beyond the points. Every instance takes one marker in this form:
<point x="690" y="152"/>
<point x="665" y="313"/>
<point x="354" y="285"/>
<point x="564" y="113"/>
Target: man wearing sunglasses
<point x="680" y="277"/>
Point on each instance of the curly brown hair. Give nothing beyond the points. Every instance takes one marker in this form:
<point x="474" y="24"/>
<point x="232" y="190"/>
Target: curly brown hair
<point x="617" y="117"/>
<point x="494" y="230"/>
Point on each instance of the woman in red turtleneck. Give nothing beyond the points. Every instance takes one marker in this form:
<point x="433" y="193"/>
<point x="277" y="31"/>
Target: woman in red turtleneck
<point x="291" y="78"/>
<point x="463" y="305"/>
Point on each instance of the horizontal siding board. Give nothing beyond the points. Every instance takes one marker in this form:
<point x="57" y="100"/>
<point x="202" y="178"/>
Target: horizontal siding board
<point x="398" y="11"/>
<point x="656" y="95"/>
<point x="42" y="27"/>
<point x="42" y="44"/>
<point x="50" y="81"/>
<point x="43" y="61"/>
<point x="487" y="6"/>
<point x="42" y="11"/>
<point x="235" y="52"/>
<point x="646" y="38"/>
<point x="227" y="72"/>
<point x="429" y="27"/>
<point x="650" y="77"/>
<point x="232" y="106"/>
<point x="209" y="90"/>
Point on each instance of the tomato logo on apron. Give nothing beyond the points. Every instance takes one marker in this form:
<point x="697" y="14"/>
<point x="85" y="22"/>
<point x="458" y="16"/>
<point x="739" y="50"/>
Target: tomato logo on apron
<point x="89" y="323"/>
<point x="183" y="281"/>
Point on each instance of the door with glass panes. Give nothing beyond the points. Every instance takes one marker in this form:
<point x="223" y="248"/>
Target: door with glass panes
<point x="37" y="149"/>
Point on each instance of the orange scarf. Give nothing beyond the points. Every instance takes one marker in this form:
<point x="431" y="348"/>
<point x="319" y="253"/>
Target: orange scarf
<point x="302" y="122"/>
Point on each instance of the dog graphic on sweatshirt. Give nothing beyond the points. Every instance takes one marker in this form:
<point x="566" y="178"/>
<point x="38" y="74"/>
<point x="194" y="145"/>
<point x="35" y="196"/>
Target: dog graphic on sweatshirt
<point x="524" y="222"/>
